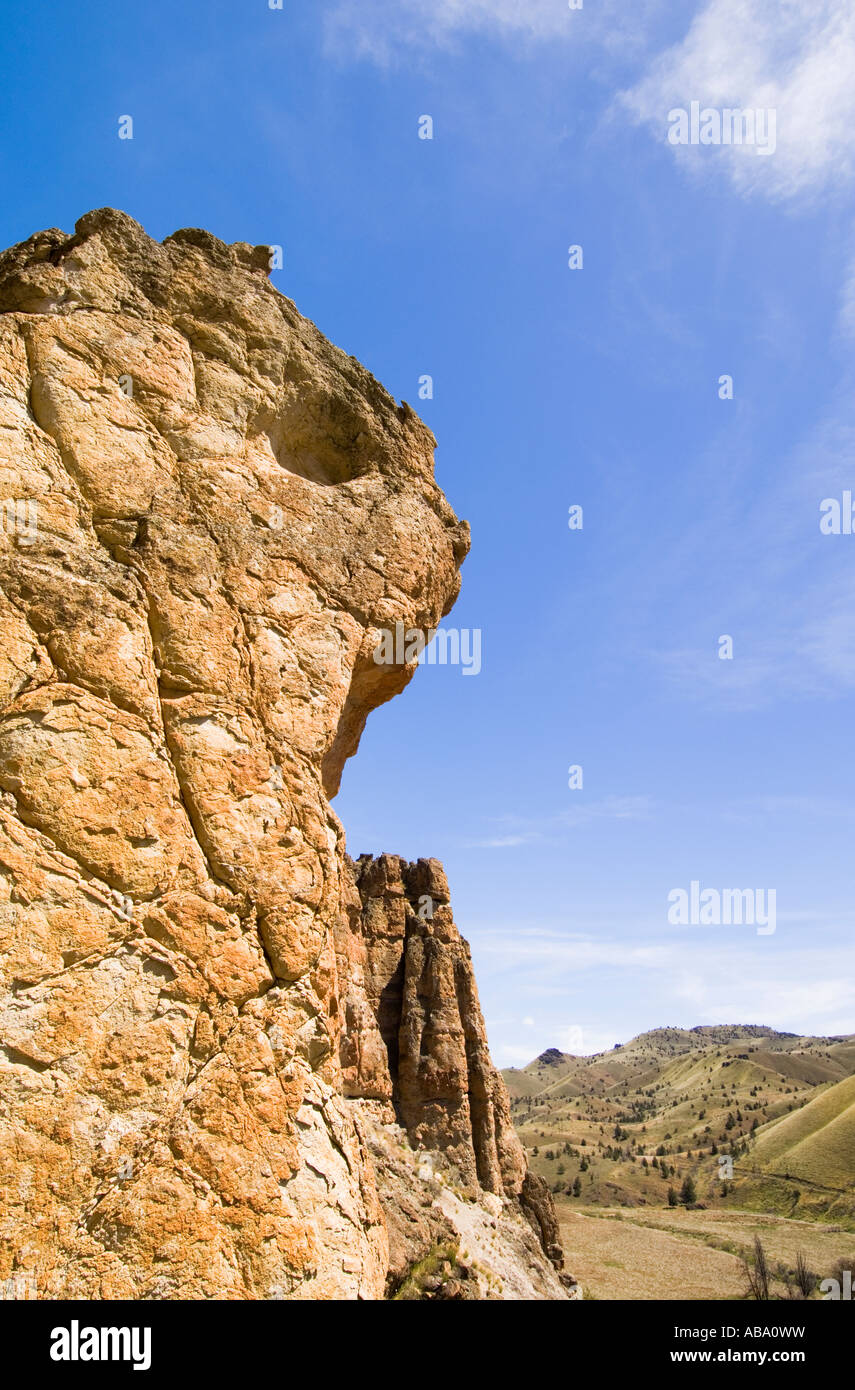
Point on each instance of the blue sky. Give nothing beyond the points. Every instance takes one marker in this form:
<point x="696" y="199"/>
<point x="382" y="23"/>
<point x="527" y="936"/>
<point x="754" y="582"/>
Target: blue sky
<point x="553" y="387"/>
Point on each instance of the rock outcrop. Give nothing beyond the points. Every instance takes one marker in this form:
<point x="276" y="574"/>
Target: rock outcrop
<point x="210" y="1022"/>
<point x="420" y="984"/>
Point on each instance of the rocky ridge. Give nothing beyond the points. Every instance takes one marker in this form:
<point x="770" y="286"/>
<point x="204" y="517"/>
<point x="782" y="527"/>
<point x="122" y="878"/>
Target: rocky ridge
<point x="224" y="1049"/>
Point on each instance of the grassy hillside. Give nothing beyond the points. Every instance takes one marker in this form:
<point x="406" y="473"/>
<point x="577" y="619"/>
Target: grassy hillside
<point x="753" y="1117"/>
<point x="816" y="1143"/>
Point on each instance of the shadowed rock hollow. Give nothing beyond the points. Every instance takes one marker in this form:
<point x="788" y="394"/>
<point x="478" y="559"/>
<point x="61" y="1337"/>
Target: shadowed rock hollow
<point x="215" y="1033"/>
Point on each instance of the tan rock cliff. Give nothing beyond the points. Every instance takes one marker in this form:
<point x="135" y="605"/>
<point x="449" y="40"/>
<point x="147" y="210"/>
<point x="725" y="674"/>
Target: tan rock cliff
<point x="209" y="516"/>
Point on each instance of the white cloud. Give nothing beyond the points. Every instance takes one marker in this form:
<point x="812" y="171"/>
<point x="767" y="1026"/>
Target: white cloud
<point x="576" y="1039"/>
<point x="805" y="987"/>
<point x="595" y="1041"/>
<point x="378" y="29"/>
<point x="794" y="56"/>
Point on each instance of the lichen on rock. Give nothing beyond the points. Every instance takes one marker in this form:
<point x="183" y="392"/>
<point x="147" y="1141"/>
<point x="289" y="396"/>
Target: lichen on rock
<point x="229" y="511"/>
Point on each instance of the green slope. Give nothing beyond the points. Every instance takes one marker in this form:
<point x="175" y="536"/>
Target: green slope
<point x="816" y="1143"/>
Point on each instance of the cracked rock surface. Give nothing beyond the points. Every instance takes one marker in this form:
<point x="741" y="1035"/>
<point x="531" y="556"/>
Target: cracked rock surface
<point x="229" y="511"/>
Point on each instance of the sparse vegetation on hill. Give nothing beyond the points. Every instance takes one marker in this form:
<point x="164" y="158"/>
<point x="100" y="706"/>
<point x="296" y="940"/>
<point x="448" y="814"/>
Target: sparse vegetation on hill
<point x="721" y="1116"/>
<point x="672" y="1156"/>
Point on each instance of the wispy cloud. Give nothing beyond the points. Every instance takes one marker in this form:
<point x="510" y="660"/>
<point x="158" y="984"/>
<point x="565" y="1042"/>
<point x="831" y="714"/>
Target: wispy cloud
<point x="814" y="660"/>
<point x="561" y="952"/>
<point x="379" y="29"/>
<point x="793" y="57"/>
<point x="712" y="978"/>
<point x="752" y="564"/>
<point x="513" y="831"/>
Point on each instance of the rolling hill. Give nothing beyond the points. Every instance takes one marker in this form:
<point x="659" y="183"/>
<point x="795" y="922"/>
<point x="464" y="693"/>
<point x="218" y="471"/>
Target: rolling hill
<point x="752" y="1116"/>
<point x="815" y="1143"/>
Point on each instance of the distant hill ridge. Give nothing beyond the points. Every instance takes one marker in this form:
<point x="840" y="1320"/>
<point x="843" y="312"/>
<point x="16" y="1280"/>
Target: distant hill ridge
<point x="715" y="1032"/>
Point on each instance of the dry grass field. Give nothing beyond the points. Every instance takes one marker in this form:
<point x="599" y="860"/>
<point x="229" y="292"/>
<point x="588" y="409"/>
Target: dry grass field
<point x="647" y="1253"/>
<point x="618" y="1259"/>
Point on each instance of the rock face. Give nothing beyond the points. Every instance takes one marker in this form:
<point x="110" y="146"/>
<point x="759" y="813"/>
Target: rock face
<point x="210" y="515"/>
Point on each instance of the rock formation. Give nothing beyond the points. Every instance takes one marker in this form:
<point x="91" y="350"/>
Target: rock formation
<point x="419" y="981"/>
<point x="211" y="1024"/>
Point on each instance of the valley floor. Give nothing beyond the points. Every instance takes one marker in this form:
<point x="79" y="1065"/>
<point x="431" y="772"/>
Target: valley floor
<point x="653" y="1253"/>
